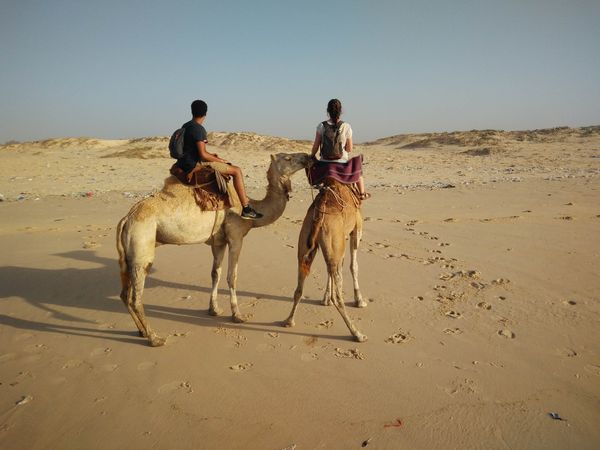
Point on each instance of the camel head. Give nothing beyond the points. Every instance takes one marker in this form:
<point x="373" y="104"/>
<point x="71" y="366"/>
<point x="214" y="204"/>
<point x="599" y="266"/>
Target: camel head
<point x="283" y="165"/>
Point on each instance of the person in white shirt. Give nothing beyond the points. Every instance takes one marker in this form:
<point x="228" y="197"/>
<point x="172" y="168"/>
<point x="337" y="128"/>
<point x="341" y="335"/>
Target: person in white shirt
<point x="343" y="133"/>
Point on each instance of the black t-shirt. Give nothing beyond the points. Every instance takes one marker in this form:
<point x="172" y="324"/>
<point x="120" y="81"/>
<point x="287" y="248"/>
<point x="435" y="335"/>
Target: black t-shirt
<point x="194" y="132"/>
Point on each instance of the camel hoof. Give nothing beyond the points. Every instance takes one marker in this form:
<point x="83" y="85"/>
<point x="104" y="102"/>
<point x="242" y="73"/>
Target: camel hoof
<point x="238" y="319"/>
<point x="157" y="341"/>
<point x="326" y="302"/>
<point x="361" y="304"/>
<point x="215" y="311"/>
<point x="289" y="323"/>
<point x="142" y="334"/>
<point x="360" y="338"/>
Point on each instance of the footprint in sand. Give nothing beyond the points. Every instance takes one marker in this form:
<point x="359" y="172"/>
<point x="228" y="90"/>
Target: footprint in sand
<point x="594" y="369"/>
<point x="500" y="281"/>
<point x="568" y="352"/>
<point x="145" y="365"/>
<point x="484" y="305"/>
<point x="453" y="314"/>
<point x="242" y="367"/>
<point x="506" y="333"/>
<point x="100" y="351"/>
<point x="311" y="341"/>
<point x="72" y="363"/>
<point x="565" y="217"/>
<point x="352" y="353"/>
<point x="570" y="302"/>
<point x="307" y="357"/>
<point x="465" y="386"/>
<point x="175" y="386"/>
<point x="7" y="357"/>
<point x="109" y="367"/>
<point x="453" y="331"/>
<point x="325" y="324"/>
<point x="35" y="348"/>
<point x="398" y="338"/>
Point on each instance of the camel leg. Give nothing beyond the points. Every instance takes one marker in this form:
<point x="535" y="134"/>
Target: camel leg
<point x="234" y="253"/>
<point x="327" y="296"/>
<point x="354" y="242"/>
<point x="125" y="296"/>
<point x="218" y="252"/>
<point x="305" y="260"/>
<point x="338" y="301"/>
<point x="138" y="276"/>
<point x="302" y="274"/>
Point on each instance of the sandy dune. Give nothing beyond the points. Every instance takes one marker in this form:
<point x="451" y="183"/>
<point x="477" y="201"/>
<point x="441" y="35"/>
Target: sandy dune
<point x="479" y="261"/>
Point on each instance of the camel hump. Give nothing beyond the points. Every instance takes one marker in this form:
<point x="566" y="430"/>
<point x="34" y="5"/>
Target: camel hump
<point x="209" y="188"/>
<point x="334" y="196"/>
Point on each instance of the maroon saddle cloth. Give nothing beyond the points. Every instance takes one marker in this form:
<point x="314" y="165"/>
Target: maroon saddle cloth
<point x="345" y="173"/>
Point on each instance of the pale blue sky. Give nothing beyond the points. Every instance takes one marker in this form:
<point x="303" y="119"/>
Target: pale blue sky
<point x="117" y="69"/>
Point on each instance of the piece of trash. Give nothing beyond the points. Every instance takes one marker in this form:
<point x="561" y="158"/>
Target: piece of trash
<point x="24" y="400"/>
<point x="396" y="424"/>
<point x="556" y="416"/>
<point x="365" y="443"/>
<point x="186" y="297"/>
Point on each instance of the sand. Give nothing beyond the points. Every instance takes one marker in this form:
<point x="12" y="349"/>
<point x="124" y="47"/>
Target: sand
<point x="479" y="261"/>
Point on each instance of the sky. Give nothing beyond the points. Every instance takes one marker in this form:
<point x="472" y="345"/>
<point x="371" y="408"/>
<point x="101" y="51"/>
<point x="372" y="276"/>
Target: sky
<point x="122" y="69"/>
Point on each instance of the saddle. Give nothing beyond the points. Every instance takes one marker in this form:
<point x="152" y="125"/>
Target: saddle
<point x="208" y="185"/>
<point x="333" y="197"/>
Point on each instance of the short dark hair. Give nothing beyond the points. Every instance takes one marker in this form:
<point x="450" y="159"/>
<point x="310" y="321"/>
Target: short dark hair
<point x="199" y="108"/>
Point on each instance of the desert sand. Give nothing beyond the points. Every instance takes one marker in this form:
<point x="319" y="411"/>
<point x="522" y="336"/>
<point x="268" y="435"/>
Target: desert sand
<point x="480" y="263"/>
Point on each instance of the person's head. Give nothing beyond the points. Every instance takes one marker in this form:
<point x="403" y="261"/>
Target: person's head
<point x="199" y="108"/>
<point x="334" y="109"/>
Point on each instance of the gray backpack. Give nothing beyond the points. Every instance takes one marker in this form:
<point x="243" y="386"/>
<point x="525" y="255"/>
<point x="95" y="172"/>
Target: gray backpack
<point x="331" y="145"/>
<point x="176" y="143"/>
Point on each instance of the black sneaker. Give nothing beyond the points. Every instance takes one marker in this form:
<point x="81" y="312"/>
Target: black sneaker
<point x="248" y="212"/>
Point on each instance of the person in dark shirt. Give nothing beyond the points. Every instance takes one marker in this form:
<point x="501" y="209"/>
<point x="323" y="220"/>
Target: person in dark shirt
<point x="194" y="152"/>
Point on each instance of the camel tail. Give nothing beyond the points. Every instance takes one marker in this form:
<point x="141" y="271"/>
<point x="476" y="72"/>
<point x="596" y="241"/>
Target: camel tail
<point x="125" y="280"/>
<point x="312" y="246"/>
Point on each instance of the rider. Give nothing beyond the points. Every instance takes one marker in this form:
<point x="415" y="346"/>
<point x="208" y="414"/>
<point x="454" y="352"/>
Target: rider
<point x="194" y="152"/>
<point x="334" y="110"/>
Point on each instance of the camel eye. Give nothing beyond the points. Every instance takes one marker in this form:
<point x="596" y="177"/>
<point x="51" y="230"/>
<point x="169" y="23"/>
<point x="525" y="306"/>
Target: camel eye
<point x="288" y="158"/>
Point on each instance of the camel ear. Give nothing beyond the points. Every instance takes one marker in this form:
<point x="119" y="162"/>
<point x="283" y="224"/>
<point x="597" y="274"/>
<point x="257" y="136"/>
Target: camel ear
<point x="272" y="157"/>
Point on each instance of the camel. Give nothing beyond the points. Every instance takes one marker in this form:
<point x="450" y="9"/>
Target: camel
<point x="333" y="216"/>
<point x="172" y="216"/>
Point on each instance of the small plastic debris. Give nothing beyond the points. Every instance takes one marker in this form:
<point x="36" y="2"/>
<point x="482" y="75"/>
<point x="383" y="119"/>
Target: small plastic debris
<point x="26" y="399"/>
<point x="396" y="424"/>
<point x="186" y="297"/>
<point x="556" y="416"/>
<point x="365" y="443"/>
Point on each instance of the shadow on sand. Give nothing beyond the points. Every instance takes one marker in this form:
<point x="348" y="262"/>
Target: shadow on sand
<point x="55" y="290"/>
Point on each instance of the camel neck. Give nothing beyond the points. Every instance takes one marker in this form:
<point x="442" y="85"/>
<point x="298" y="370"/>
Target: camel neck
<point x="275" y="201"/>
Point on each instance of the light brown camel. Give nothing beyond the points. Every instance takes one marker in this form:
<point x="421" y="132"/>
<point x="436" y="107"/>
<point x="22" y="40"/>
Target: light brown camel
<point x="172" y="217"/>
<point x="332" y="218"/>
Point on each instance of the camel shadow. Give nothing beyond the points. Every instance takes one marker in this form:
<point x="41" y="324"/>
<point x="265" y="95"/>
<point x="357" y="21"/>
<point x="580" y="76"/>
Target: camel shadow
<point x="61" y="292"/>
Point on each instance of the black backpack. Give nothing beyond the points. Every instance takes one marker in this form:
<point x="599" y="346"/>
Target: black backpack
<point x="331" y="146"/>
<point x="176" y="143"/>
